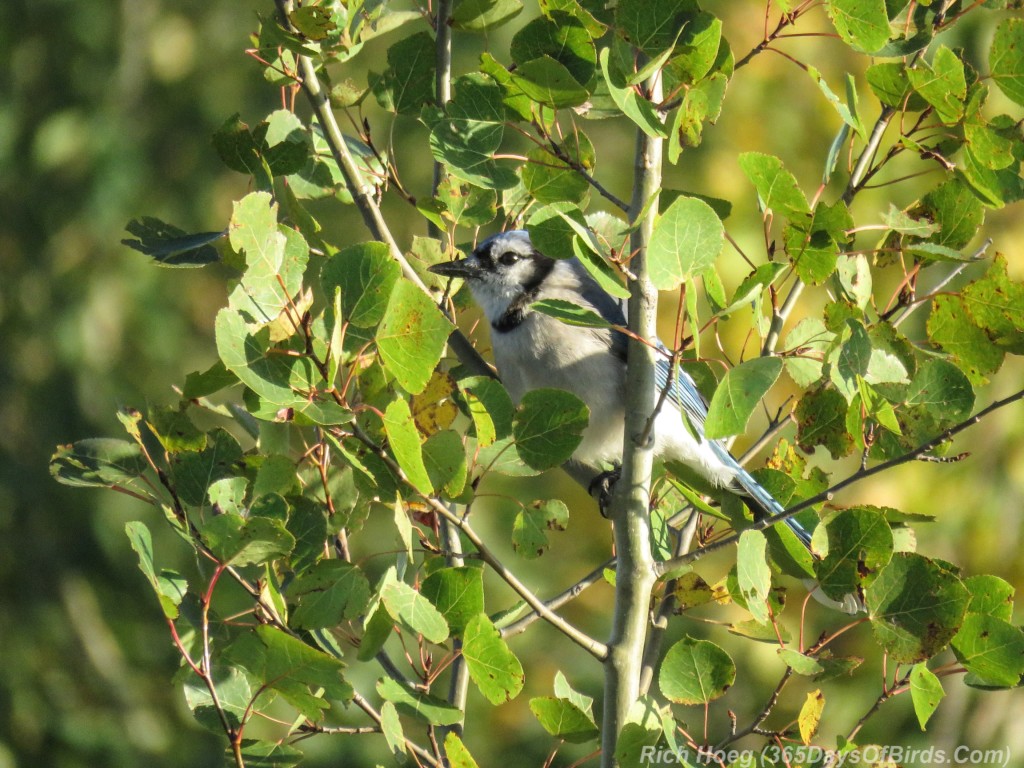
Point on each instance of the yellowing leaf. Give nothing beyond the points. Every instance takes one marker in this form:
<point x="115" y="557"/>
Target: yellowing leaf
<point x="433" y="409"/>
<point x="810" y="716"/>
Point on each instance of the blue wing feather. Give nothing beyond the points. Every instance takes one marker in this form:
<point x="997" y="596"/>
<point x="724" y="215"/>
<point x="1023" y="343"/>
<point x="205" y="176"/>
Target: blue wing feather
<point x="685" y="395"/>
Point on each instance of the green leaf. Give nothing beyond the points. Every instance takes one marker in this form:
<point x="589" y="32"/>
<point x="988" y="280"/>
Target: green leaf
<point x="889" y="82"/>
<point x="925" y="691"/>
<point x="415" y="703"/>
<point x="632" y="105"/>
<point x="458" y="593"/>
<point x="915" y="607"/>
<point x="553" y="228"/>
<point x="753" y="574"/>
<point x="561" y="39"/>
<point x="862" y="24"/>
<point x="275" y="259"/>
<point x="286" y="145"/>
<point x="282" y="381"/>
<point x="991" y="648"/>
<point x="695" y="672"/>
<point x="687" y="239"/>
<point x="853" y="544"/>
<point x="943" y="390"/>
<point x="404" y="439"/>
<point x="814" y="254"/>
<point x="391" y="727"/>
<point x="199" y="384"/>
<point x="267" y="754"/>
<point x="169" y="587"/>
<point x="990" y="595"/>
<point x="653" y="25"/>
<point x="564" y="719"/>
<point x="233" y="540"/>
<point x="175" y="430"/>
<point x="170" y="246"/>
<point x="292" y="668"/>
<point x="445" y="459"/>
<point x="228" y="495"/>
<point x="193" y="473"/>
<point x="805" y="346"/>
<point x="492" y="666"/>
<point x="408" y="82"/>
<point x="97" y="462"/>
<point x="456" y="752"/>
<point x="701" y="104"/>
<point x="847" y="112"/>
<point x="1006" y="58"/>
<point x="776" y="187"/>
<point x="821" y="420"/>
<point x="738" y="394"/>
<point x="276" y="475"/>
<point x="996" y="304"/>
<point x="587" y="16"/>
<point x="467" y="205"/>
<point x="240" y="151"/>
<point x="366" y="275"/>
<point x="951" y="327"/>
<point x="234" y="695"/>
<point x="956" y="210"/>
<point x="565" y="691"/>
<point x="503" y="457"/>
<point x="412" y="610"/>
<point x="529" y="531"/>
<point x="697" y="48"/>
<point x="549" y="426"/>
<point x="799" y="663"/>
<point x="468" y="133"/>
<point x="550" y="179"/>
<point x="489" y="406"/>
<point x="570" y="314"/>
<point x="327" y="594"/>
<point x="549" y="82"/>
<point x="905" y="224"/>
<point x="943" y="84"/>
<point x="482" y="15"/>
<point x="377" y="628"/>
<point x="412" y="336"/>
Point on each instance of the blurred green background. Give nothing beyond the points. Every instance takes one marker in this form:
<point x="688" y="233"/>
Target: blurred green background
<point x="106" y="113"/>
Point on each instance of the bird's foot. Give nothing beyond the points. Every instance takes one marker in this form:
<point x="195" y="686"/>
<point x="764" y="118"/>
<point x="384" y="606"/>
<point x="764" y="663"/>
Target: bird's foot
<point x="602" y="487"/>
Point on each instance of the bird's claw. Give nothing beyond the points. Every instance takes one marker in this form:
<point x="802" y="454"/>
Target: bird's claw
<point x="602" y="487"/>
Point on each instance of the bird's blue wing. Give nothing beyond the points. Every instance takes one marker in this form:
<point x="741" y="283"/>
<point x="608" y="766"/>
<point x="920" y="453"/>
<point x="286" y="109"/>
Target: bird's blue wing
<point x="683" y="393"/>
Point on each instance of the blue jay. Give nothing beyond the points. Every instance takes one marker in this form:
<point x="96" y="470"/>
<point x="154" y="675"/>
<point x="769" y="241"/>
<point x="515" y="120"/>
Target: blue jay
<point x="506" y="274"/>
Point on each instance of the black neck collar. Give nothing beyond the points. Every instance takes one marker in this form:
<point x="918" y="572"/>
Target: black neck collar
<point x="516" y="312"/>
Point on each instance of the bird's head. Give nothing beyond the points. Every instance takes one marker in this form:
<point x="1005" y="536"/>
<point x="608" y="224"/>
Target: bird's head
<point x="502" y="270"/>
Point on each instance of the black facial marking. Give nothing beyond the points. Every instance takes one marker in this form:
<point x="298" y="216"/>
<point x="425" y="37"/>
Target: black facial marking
<point x="516" y="312"/>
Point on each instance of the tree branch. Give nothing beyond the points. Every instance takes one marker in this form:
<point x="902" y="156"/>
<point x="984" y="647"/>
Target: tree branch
<point x="519" y="625"/>
<point x="652" y="651"/>
<point x="362" y="193"/>
<point x="863" y="474"/>
<point x="635" y="571"/>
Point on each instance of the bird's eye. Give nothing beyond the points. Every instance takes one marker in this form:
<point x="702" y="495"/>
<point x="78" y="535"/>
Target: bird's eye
<point x="508" y="258"/>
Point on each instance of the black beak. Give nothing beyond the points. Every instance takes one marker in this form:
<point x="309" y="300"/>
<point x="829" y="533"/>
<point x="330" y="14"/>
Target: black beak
<point x="461" y="268"/>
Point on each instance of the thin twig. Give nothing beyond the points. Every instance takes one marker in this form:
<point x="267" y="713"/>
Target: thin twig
<point x="677" y="562"/>
<point x="764" y="714"/>
<point x="589" y="644"/>
<point x="571" y="593"/>
<point x="420" y="752"/>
